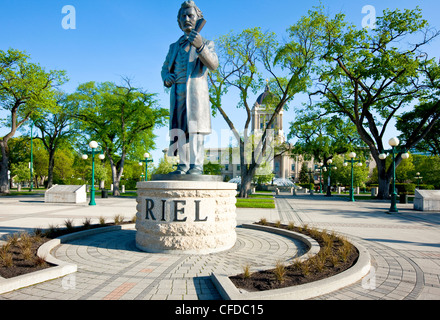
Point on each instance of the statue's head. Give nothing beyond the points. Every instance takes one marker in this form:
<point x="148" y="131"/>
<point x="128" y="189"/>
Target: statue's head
<point x="188" y="15"/>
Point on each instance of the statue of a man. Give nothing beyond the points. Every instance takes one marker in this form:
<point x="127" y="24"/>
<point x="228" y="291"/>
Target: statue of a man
<point x="185" y="72"/>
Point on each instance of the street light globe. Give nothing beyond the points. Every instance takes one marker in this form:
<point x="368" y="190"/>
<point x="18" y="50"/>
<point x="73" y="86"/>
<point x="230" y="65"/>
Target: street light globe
<point x="102" y="156"/>
<point x="140" y="163"/>
<point x="352" y="155"/>
<point x="329" y="161"/>
<point x="382" y="156"/>
<point x="84" y="156"/>
<point x="405" y="155"/>
<point x="345" y="164"/>
<point x="394" y="142"/>
<point x="93" y="144"/>
<point x="359" y="164"/>
<point x="418" y="174"/>
<point x="335" y="168"/>
<point x="321" y="164"/>
<point x="146" y="155"/>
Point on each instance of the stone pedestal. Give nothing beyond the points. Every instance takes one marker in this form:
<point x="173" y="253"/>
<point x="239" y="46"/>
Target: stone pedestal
<point x="185" y="216"/>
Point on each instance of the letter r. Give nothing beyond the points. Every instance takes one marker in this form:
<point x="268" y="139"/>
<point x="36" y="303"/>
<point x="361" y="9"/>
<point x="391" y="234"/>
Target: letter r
<point x="149" y="209"/>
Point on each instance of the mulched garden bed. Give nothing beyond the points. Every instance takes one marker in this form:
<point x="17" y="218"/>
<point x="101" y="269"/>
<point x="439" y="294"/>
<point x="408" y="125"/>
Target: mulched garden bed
<point x="335" y="256"/>
<point x="16" y="259"/>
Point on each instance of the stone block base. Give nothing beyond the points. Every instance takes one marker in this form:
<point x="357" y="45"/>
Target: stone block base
<point x="185" y="217"/>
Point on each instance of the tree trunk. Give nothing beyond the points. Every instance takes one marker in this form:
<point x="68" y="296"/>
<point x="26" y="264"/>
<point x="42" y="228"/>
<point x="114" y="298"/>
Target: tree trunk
<point x="117" y="171"/>
<point x="384" y="181"/>
<point x="4" y="166"/>
<point x="50" y="169"/>
<point x="245" y="187"/>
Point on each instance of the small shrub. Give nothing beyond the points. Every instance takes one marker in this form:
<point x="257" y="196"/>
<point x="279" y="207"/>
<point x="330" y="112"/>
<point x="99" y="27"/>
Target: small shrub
<point x="87" y="222"/>
<point x="133" y="219"/>
<point x="38" y="232"/>
<point x="27" y="253"/>
<point x="6" y="259"/>
<point x="68" y="223"/>
<point x="278" y="224"/>
<point x="246" y="271"/>
<point x="280" y="271"/>
<point x="102" y="220"/>
<point x="39" y="261"/>
<point x="52" y="230"/>
<point x="13" y="239"/>
<point x="118" y="219"/>
<point x="25" y="241"/>
<point x="291" y="226"/>
<point x="263" y="221"/>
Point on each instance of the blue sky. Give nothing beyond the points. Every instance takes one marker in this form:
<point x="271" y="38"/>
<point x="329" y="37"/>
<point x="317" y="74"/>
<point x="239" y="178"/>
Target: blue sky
<point x="115" y="38"/>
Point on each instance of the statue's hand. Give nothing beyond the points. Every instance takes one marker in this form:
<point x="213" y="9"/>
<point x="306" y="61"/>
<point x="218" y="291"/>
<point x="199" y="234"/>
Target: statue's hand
<point x="169" y="80"/>
<point x="195" y="39"/>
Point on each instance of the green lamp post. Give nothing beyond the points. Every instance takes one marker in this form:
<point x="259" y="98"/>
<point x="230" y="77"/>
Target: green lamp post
<point x="31" y="164"/>
<point x="146" y="156"/>
<point x="419" y="179"/>
<point x="329" y="165"/>
<point x="93" y="145"/>
<point x="320" y="167"/>
<point x="352" y="155"/>
<point x="393" y="142"/>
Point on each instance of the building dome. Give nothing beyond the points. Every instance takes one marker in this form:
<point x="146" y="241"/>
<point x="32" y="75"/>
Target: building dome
<point x="264" y="95"/>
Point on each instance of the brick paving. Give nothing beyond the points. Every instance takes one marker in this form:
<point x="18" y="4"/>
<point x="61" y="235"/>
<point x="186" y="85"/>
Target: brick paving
<point x="404" y="247"/>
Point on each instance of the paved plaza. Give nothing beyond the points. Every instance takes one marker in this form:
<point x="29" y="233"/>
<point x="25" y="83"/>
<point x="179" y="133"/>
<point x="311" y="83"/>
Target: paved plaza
<point x="404" y="249"/>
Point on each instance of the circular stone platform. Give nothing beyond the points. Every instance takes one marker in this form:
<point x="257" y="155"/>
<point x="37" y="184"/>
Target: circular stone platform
<point x="110" y="266"/>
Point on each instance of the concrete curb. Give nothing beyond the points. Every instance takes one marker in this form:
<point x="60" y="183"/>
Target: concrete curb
<point x="61" y="269"/>
<point x="229" y="291"/>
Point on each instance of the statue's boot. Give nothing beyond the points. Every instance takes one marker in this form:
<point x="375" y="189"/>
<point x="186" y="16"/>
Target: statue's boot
<point x="195" y="169"/>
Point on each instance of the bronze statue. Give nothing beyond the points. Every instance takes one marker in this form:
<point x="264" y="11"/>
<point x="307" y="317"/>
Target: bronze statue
<point x="185" y="71"/>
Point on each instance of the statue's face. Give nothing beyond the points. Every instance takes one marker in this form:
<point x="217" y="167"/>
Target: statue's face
<point x="188" y="19"/>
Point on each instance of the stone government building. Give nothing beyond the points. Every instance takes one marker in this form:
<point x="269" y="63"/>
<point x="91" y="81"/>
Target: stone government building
<point x="283" y="165"/>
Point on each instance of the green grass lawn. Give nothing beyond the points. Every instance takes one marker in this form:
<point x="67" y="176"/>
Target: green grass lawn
<point x="255" y="203"/>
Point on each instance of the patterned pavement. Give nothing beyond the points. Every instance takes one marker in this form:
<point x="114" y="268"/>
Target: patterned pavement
<point x="404" y="247"/>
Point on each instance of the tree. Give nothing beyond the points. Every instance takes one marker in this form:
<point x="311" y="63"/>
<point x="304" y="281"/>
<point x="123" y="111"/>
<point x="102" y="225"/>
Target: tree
<point x="304" y="174"/>
<point x="369" y="76"/>
<point x="26" y="89"/>
<point x="241" y="56"/>
<point x="164" y="166"/>
<point x="56" y="127"/>
<point x="410" y="120"/>
<point x="121" y="118"/>
<point x="323" y="137"/>
<point x="20" y="172"/>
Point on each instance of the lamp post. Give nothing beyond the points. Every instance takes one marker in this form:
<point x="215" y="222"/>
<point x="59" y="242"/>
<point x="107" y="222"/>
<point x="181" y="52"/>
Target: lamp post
<point x="321" y="166"/>
<point x="393" y="142"/>
<point x="146" y="156"/>
<point x="31" y="164"/>
<point x="93" y="145"/>
<point x="352" y="155"/>
<point x="419" y="178"/>
<point x="329" y="165"/>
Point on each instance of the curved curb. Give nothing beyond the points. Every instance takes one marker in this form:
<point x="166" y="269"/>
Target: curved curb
<point x="229" y="291"/>
<point x="61" y="269"/>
